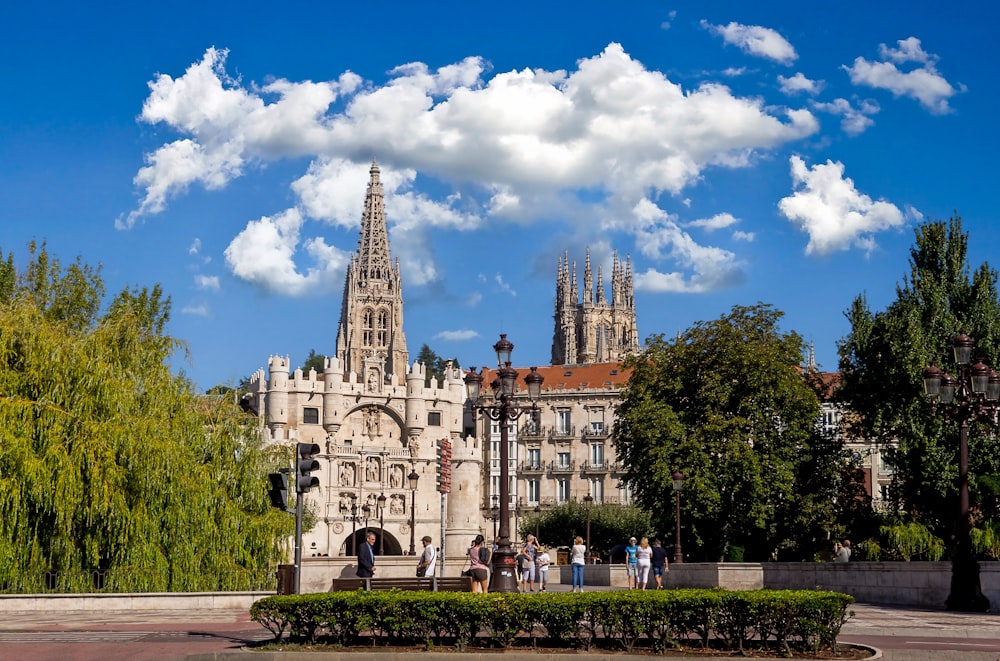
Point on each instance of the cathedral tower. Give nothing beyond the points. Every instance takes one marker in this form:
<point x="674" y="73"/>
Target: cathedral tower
<point x="597" y="330"/>
<point x="370" y="340"/>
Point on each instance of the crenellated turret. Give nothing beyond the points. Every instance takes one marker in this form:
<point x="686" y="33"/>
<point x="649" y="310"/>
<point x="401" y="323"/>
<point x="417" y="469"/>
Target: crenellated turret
<point x="416" y="406"/>
<point x="277" y="395"/>
<point x="333" y="399"/>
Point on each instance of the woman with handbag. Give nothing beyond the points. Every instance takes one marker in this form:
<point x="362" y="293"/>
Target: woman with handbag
<point x="479" y="560"/>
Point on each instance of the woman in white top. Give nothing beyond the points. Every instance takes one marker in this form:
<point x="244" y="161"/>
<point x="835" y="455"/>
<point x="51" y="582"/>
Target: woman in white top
<point x="644" y="554"/>
<point x="578" y="560"/>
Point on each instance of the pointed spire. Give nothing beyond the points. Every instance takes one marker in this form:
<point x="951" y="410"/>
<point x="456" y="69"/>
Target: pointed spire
<point x="601" y="300"/>
<point x="373" y="246"/>
<point x="588" y="281"/>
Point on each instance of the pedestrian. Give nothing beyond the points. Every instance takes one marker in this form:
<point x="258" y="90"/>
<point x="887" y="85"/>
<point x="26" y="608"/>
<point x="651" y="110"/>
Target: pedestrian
<point x="578" y="560"/>
<point x="479" y="562"/>
<point x="532" y="549"/>
<point x="644" y="558"/>
<point x="843" y="551"/>
<point x="659" y="563"/>
<point x="428" y="559"/>
<point x="632" y="563"/>
<point x="366" y="557"/>
<point x="543" y="561"/>
<point x="525" y="564"/>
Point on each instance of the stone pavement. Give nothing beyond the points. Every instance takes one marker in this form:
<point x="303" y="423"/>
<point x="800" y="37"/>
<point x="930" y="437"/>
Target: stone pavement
<point x="159" y="635"/>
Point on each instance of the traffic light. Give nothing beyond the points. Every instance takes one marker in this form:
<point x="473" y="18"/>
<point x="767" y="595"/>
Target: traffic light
<point x="306" y="465"/>
<point x="279" y="490"/>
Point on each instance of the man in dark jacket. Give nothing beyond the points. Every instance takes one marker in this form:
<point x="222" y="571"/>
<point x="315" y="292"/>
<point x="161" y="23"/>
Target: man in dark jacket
<point x="659" y="563"/>
<point x="366" y="557"/>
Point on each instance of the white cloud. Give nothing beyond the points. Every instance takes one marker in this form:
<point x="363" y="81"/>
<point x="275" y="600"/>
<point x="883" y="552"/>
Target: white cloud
<point x="207" y="282"/>
<point x="503" y="285"/>
<point x="743" y="236"/>
<point x="922" y="83"/>
<point x="755" y="40"/>
<point x="828" y="207"/>
<point x="799" y="83"/>
<point x="855" y="120"/>
<point x="718" y="221"/>
<point x="200" y="310"/>
<point x="517" y="145"/>
<point x="665" y="25"/>
<point x="195" y="247"/>
<point x="705" y="268"/>
<point x="263" y="254"/>
<point x="473" y="299"/>
<point x="457" y="335"/>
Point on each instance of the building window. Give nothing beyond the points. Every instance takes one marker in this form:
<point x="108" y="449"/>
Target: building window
<point x="367" y="328"/>
<point x="597" y="490"/>
<point x="562" y="487"/>
<point x="534" y="457"/>
<point x="563" y="459"/>
<point x="533" y="492"/>
<point x="383" y="328"/>
<point x="563" y="421"/>
<point x="434" y="418"/>
<point x="310" y="416"/>
<point x="597" y="454"/>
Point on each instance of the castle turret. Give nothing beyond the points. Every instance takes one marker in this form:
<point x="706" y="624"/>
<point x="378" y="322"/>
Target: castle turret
<point x="277" y="395"/>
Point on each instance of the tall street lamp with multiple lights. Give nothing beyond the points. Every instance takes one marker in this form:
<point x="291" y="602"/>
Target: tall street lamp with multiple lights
<point x="412" y="478"/>
<point x="503" y="410"/>
<point x="588" y="499"/>
<point x="971" y="396"/>
<point x="678" y="478"/>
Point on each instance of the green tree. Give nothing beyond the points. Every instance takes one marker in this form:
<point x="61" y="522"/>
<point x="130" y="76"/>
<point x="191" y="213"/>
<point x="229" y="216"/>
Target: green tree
<point x="881" y="362"/>
<point x="726" y="404"/>
<point x="434" y="363"/>
<point x="315" y="361"/>
<point x="108" y="461"/>
<point x="610" y="525"/>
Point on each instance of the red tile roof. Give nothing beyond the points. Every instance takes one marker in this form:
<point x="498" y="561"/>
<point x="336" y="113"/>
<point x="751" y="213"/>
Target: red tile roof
<point x="570" y="377"/>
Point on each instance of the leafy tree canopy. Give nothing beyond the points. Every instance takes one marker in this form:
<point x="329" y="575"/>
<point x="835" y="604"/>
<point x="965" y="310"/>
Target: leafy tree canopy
<point x="435" y="364"/>
<point x="610" y="525"/>
<point x="727" y="405"/>
<point x="882" y="360"/>
<point x="110" y="462"/>
<point x="314" y="362"/>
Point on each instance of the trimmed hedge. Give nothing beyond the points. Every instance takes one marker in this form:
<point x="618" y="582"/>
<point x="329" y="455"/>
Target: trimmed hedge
<point x="784" y="620"/>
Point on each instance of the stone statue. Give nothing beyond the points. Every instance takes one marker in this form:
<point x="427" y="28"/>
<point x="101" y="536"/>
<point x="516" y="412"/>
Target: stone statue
<point x="373" y="469"/>
<point x="396" y="505"/>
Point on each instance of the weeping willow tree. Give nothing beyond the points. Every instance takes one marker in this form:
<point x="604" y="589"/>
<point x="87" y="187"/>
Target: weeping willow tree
<point x="111" y="466"/>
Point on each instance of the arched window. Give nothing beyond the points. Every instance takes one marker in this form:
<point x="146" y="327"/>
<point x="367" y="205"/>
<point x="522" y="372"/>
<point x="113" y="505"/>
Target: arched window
<point x="367" y="327"/>
<point x="383" y="328"/>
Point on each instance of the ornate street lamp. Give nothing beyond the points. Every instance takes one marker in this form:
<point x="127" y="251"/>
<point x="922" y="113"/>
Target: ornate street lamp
<point x="971" y="396"/>
<point x="503" y="410"/>
<point x="413" y="477"/>
<point x="538" y="519"/>
<point x="354" y="527"/>
<point x="678" y="478"/>
<point x="381" y="523"/>
<point x="588" y="499"/>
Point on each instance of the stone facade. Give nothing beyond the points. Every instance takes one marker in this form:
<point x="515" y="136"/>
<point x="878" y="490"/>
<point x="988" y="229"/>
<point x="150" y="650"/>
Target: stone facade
<point x="376" y="420"/>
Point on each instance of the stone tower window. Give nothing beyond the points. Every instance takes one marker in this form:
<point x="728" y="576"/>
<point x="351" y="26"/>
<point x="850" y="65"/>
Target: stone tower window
<point x="367" y="327"/>
<point x="383" y="328"/>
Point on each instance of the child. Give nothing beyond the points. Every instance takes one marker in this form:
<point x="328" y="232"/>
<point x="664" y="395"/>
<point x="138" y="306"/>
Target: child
<point x="543" y="561"/>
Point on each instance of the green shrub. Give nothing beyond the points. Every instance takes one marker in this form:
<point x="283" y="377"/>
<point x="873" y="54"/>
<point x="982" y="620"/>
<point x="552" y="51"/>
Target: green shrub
<point x="766" y="619"/>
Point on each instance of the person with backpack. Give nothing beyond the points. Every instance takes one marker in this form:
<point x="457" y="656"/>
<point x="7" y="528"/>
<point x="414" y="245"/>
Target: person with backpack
<point x="428" y="559"/>
<point x="479" y="562"/>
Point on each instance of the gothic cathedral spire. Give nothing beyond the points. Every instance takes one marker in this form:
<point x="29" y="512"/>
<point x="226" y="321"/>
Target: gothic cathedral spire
<point x="594" y="331"/>
<point x="370" y="339"/>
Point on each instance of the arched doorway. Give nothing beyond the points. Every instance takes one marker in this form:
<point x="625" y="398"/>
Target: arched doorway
<point x="385" y="542"/>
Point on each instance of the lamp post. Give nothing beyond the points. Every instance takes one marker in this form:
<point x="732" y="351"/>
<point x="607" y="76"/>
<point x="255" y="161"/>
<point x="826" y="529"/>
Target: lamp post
<point x="503" y="410"/>
<point x="354" y="527"/>
<point x="588" y="499"/>
<point x="495" y="515"/>
<point x="678" y="478"/>
<point x="538" y="519"/>
<point x="971" y="396"/>
<point x="381" y="523"/>
<point x="413" y="477"/>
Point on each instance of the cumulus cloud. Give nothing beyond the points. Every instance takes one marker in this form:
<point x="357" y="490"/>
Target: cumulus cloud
<point x="828" y="207"/>
<point x="704" y="268"/>
<point x="200" y="310"/>
<point x="755" y="40"/>
<point x="718" y="221"/>
<point x="855" y="120"/>
<point x="923" y="83"/>
<point x="799" y="83"/>
<point x="457" y="335"/>
<point x="207" y="282"/>
<point x="518" y="145"/>
<point x="263" y="254"/>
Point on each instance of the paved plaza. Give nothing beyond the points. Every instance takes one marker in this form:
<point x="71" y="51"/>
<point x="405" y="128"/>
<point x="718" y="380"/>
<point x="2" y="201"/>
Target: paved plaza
<point x="158" y="635"/>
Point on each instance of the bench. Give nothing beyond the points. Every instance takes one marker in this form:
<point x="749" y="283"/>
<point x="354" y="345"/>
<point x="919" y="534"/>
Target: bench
<point x="430" y="583"/>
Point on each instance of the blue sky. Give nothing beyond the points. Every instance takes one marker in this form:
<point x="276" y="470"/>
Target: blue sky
<point x="736" y="152"/>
